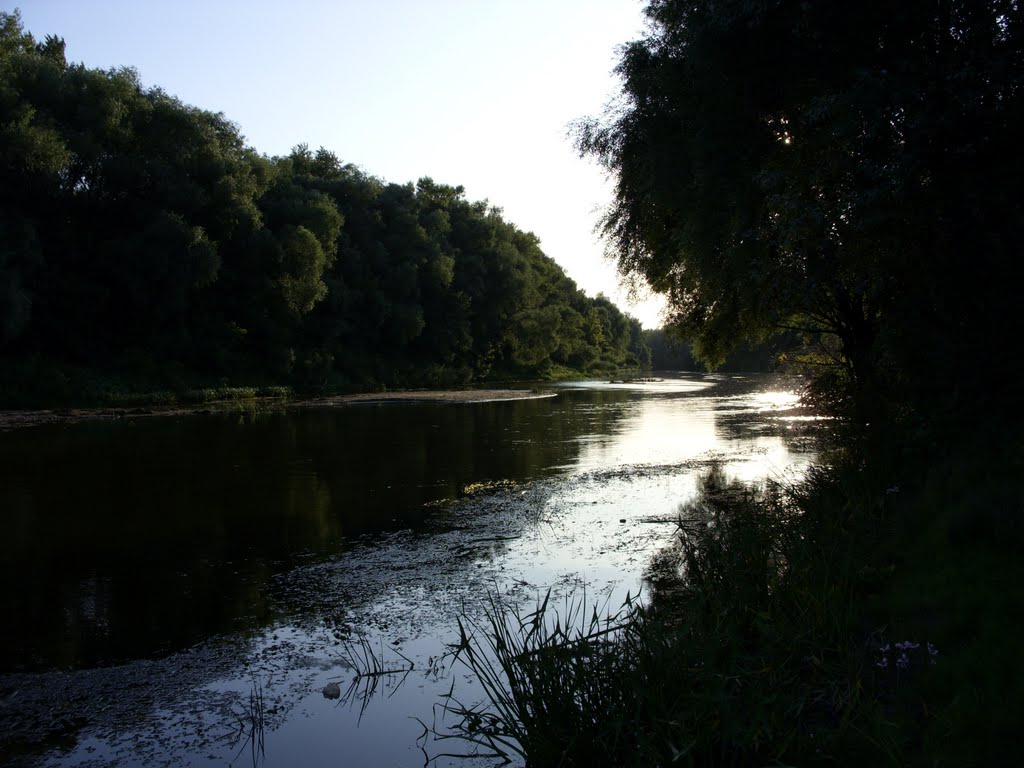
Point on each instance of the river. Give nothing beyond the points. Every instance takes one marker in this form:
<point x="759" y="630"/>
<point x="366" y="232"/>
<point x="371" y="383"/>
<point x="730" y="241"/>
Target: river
<point x="166" y="575"/>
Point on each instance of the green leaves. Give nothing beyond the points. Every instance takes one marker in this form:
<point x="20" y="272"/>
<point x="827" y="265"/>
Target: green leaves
<point x="132" y="222"/>
<point x="303" y="261"/>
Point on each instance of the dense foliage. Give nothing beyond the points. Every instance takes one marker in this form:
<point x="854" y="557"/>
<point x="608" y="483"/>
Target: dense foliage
<point x="847" y="170"/>
<point x="141" y="236"/>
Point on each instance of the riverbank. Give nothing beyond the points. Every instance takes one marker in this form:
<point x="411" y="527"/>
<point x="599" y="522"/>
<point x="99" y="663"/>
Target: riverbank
<point x="19" y="419"/>
<point x="860" y="617"/>
<point x="429" y="396"/>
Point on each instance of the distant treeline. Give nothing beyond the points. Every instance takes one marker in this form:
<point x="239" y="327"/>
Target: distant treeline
<point x="141" y="237"/>
<point x="669" y="353"/>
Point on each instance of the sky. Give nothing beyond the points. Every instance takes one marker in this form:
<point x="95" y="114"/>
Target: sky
<point x="480" y="93"/>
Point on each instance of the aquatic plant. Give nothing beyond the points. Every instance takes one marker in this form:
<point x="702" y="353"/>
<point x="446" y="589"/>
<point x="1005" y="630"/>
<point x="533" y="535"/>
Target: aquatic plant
<point x="252" y="724"/>
<point x="749" y="650"/>
<point x="545" y="674"/>
<point x="370" y="666"/>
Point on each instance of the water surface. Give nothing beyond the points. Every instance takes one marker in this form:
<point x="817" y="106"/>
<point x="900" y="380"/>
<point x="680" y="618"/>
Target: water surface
<point x="166" y="568"/>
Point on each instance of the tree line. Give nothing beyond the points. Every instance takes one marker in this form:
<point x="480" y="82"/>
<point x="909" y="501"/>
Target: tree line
<point x="846" y="172"/>
<point x="670" y="353"/>
<point x="142" y="236"/>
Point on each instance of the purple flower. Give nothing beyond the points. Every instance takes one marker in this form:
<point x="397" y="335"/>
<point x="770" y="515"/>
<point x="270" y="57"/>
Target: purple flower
<point x="883" y="663"/>
<point x="932" y="650"/>
<point x="903" y="662"/>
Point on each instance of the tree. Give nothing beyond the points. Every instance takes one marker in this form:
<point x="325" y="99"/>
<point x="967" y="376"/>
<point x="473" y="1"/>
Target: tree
<point x="844" y="170"/>
<point x="115" y="202"/>
<point x="141" y="238"/>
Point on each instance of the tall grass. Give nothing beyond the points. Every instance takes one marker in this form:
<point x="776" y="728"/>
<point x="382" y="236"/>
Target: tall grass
<point x="371" y="666"/>
<point x="539" y="668"/>
<point x="252" y="725"/>
<point x="752" y="650"/>
<point x="40" y="383"/>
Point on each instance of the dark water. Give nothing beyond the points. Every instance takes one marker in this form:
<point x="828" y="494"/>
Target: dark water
<point x="139" y="537"/>
<point x="211" y="544"/>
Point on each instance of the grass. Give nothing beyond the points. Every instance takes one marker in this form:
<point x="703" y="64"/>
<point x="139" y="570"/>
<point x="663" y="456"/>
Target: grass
<point x="370" y="666"/>
<point x="537" y="668"/>
<point x="762" y="640"/>
<point x="955" y="552"/>
<point x="252" y="725"/>
<point x="44" y="384"/>
<point x="41" y="383"/>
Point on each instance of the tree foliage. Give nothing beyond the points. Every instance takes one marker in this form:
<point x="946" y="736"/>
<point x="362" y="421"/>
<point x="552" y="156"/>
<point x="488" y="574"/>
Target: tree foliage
<point x="137" y="232"/>
<point x="844" y="170"/>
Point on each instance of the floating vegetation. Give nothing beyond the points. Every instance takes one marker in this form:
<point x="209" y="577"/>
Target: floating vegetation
<point x="487" y="486"/>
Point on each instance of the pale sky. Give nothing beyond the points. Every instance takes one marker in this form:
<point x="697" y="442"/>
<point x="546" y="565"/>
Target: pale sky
<point x="472" y="92"/>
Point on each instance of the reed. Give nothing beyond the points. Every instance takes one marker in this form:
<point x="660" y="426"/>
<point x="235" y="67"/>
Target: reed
<point x="749" y="650"/>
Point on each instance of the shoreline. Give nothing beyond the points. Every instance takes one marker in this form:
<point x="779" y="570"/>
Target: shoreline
<point x="429" y="396"/>
<point x="11" y="419"/>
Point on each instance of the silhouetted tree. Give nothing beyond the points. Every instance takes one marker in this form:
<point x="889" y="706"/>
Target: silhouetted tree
<point x="845" y="170"/>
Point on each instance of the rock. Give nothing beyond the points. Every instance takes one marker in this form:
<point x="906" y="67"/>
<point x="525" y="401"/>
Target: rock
<point x="332" y="691"/>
